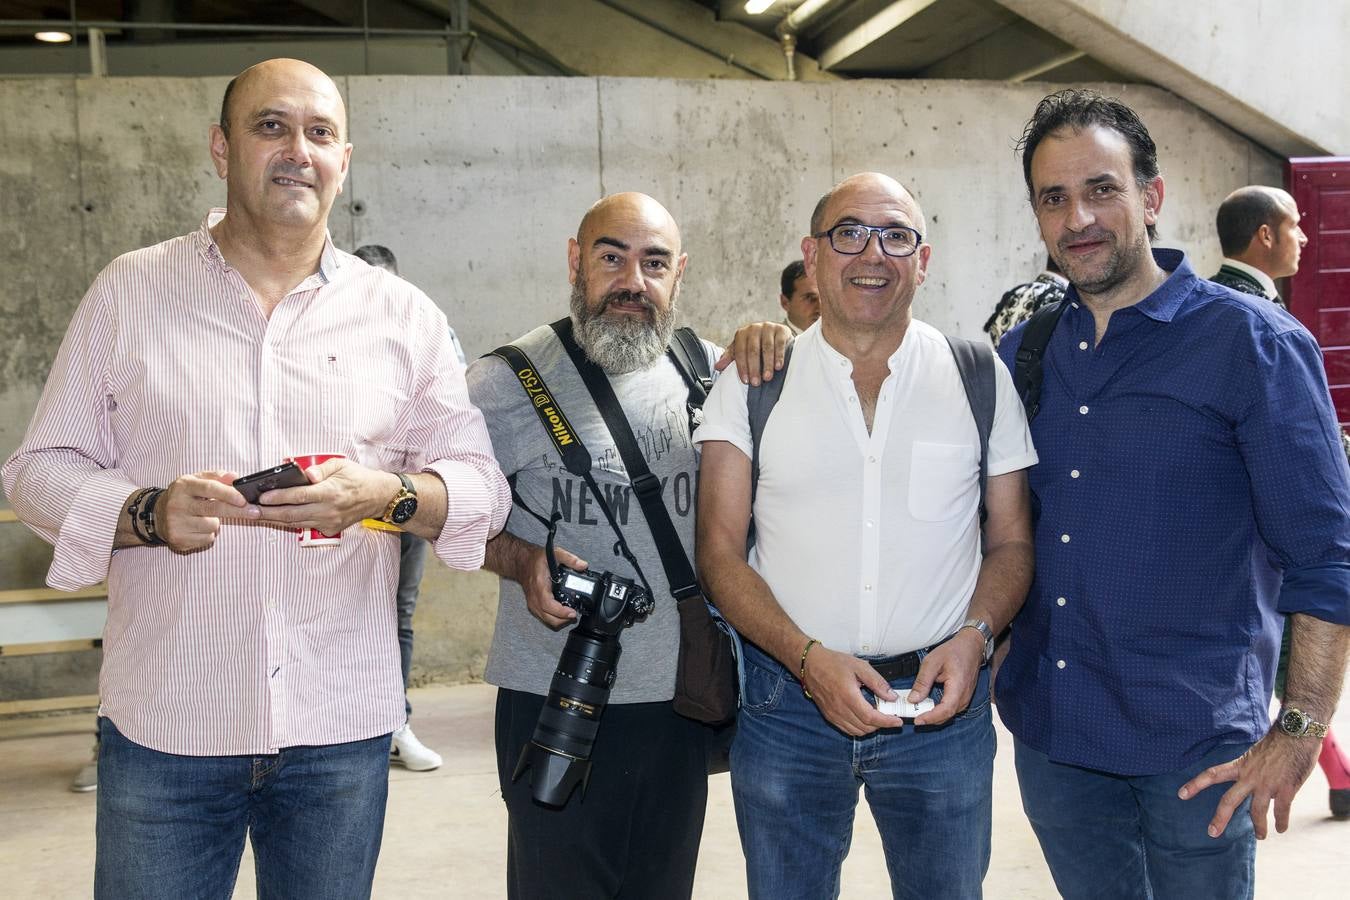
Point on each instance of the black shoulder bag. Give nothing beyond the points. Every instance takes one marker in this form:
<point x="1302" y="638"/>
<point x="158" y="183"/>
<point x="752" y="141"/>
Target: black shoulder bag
<point x="706" y="674"/>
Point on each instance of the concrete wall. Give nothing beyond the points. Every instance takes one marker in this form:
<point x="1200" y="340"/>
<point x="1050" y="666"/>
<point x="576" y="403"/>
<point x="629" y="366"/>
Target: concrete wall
<point x="1273" y="69"/>
<point x="476" y="184"/>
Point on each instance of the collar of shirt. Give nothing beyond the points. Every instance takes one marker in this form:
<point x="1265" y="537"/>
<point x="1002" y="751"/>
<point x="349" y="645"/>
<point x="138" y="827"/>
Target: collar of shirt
<point x="330" y="261"/>
<point x="1261" y="278"/>
<point x="1163" y="303"/>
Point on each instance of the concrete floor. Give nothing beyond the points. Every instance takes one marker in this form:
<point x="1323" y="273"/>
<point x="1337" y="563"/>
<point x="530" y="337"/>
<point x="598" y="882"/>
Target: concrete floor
<point x="444" y="834"/>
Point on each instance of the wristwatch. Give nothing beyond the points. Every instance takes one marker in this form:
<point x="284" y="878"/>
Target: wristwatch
<point x="983" y="628"/>
<point x="404" y="505"/>
<point x="1296" y="723"/>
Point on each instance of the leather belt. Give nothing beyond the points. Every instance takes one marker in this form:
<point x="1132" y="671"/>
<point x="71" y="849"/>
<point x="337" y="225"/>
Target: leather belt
<point x="904" y="665"/>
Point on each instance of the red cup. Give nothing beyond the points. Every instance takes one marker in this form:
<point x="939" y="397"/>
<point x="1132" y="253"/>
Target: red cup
<point x="312" y="537"/>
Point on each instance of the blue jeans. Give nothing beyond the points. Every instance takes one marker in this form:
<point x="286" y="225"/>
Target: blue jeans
<point x="795" y="780"/>
<point x="173" y="826"/>
<point x="1119" y="836"/>
<point x="412" y="561"/>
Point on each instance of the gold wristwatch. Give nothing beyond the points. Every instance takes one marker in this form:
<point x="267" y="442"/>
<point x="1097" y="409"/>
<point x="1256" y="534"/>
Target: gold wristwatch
<point x="1296" y="723"/>
<point x="404" y="505"/>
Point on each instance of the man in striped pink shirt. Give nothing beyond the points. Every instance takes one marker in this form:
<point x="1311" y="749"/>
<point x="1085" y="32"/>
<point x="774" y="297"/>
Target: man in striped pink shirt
<point x="250" y="683"/>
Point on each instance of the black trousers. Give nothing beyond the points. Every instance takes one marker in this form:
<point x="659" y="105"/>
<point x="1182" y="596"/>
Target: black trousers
<point x="635" y="833"/>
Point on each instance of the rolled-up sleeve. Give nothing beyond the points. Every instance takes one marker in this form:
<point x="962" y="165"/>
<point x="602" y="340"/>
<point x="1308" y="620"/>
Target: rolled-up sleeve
<point x="452" y="436"/>
<point x="1292" y="448"/>
<point x="63" y="481"/>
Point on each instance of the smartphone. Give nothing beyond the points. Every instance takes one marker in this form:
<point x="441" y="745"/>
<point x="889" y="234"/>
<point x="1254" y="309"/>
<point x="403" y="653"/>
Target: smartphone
<point x="283" y="476"/>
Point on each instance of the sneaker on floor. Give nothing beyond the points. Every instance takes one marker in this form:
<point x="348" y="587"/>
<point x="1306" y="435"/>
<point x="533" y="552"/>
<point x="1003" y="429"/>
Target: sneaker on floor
<point x="412" y="754"/>
<point x="87" y="778"/>
<point x="1340" y="803"/>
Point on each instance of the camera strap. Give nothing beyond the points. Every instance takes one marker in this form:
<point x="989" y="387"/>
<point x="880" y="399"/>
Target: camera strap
<point x="647" y="487"/>
<point x="576" y="458"/>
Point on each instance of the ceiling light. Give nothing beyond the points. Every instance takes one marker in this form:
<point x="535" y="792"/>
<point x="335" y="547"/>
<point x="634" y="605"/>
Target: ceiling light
<point x="53" y="37"/>
<point x="755" y="7"/>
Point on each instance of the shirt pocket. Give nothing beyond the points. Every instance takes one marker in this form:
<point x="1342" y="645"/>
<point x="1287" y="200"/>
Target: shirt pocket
<point x="363" y="401"/>
<point x="942" y="479"/>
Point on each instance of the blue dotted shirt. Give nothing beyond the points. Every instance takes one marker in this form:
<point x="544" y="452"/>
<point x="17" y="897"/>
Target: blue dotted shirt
<point x="1191" y="488"/>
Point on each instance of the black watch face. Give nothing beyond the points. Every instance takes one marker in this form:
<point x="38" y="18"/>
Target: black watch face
<point x="404" y="510"/>
<point x="1293" y="722"/>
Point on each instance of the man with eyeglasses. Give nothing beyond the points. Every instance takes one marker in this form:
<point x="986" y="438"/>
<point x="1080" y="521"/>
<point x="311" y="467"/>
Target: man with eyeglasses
<point x="866" y="581"/>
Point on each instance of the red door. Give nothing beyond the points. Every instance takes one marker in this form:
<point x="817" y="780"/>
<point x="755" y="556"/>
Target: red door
<point x="1319" y="295"/>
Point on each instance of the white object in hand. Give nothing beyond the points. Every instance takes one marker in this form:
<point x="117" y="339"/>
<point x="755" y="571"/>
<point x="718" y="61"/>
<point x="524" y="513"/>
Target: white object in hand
<point x="902" y="708"/>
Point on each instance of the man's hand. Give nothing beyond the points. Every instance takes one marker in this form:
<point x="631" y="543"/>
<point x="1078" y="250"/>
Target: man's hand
<point x="757" y="349"/>
<point x="538" y="587"/>
<point x="1273" y="769"/>
<point x="956" y="666"/>
<point x="340" y="493"/>
<point x="835" y="681"/>
<point x="188" y="513"/>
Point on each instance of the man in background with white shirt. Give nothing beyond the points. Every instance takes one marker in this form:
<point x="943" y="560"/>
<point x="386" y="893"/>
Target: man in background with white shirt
<point x="250" y="684"/>
<point x="1261" y="240"/>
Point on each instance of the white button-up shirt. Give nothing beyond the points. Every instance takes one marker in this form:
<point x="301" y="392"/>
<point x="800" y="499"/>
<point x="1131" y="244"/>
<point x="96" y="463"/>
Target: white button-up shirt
<point x="871" y="541"/>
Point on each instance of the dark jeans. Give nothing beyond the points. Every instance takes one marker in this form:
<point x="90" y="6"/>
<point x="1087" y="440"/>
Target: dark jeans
<point x="634" y="834"/>
<point x="170" y="826"/>
<point x="795" y="779"/>
<point x="412" y="560"/>
<point x="1120" y="837"/>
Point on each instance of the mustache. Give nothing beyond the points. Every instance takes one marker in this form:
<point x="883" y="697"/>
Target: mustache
<point x="627" y="297"/>
<point x="1095" y="234"/>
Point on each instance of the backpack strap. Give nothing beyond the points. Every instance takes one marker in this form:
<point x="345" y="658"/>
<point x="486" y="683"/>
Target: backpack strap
<point x="1028" y="373"/>
<point x="760" y="400"/>
<point x="975" y="362"/>
<point x="690" y="357"/>
<point x="686" y="351"/>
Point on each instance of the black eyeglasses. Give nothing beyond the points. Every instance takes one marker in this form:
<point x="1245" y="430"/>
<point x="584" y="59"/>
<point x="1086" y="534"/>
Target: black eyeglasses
<point x="851" y="238"/>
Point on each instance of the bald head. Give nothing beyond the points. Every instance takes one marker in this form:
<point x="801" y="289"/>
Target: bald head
<point x="864" y="183"/>
<point x="273" y="74"/>
<point x="627" y="212"/>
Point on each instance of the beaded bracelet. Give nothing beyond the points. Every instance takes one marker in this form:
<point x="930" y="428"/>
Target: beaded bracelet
<point x="801" y="667"/>
<point x="142" y="514"/>
<point x="147" y="516"/>
<point x="133" y="512"/>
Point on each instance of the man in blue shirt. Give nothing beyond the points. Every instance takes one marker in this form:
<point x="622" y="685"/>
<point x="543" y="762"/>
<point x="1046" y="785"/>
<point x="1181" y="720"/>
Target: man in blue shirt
<point x="1191" y="489"/>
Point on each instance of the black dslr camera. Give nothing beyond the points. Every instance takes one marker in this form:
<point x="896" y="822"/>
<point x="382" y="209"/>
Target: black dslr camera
<point x="560" y="749"/>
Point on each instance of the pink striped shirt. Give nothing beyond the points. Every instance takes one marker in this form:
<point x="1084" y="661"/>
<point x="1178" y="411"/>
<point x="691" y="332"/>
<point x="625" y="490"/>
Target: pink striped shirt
<point x="169" y="367"/>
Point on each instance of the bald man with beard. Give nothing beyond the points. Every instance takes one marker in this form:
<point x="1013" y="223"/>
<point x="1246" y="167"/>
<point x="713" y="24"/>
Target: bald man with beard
<point x="636" y="832"/>
<point x="249" y="683"/>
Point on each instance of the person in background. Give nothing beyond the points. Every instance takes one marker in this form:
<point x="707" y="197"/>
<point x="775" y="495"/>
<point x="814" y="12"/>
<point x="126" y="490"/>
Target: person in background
<point x="798" y="297"/>
<point x="1018" y="303"/>
<point x="1262" y="240"/>
<point x="405" y="748"/>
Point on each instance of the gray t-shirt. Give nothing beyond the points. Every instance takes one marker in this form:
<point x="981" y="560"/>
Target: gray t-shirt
<point x="524" y="651"/>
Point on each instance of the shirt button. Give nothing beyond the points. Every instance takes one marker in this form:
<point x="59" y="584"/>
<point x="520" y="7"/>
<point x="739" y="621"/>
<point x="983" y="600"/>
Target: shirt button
<point x="852" y="399"/>
<point x="867" y="648"/>
<point x="1082" y="345"/>
<point x="869" y="523"/>
<point x="1061" y="601"/>
<point x="272" y="603"/>
<point x="1074" y="473"/>
<point x="1060" y="664"/>
<point x="867" y="588"/>
<point x="1063" y="538"/>
<point x="1082" y="410"/>
<point x="872" y="459"/>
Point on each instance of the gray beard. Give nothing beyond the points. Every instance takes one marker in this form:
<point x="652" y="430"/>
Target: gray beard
<point x="621" y="344"/>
